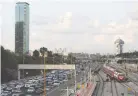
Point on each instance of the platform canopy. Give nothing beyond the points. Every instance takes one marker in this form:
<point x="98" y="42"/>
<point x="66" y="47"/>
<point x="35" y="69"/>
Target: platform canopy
<point x="47" y="66"/>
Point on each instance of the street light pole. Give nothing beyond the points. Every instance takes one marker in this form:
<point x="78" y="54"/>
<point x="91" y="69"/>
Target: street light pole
<point x="75" y="80"/>
<point x="44" y="76"/>
<point x="23" y="63"/>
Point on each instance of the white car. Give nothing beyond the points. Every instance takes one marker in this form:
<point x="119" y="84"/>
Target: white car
<point x="5" y="93"/>
<point x="19" y="86"/>
<point x="56" y="83"/>
<point x="31" y="90"/>
<point x="65" y="80"/>
<point x="16" y="90"/>
<point x="8" y="88"/>
<point x="48" y="88"/>
<point x="27" y="85"/>
<point x="3" y="86"/>
<point x="55" y="80"/>
<point x="61" y="81"/>
<point x="16" y="94"/>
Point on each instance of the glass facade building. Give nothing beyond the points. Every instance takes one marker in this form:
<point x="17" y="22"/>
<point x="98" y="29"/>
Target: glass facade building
<point x="21" y="28"/>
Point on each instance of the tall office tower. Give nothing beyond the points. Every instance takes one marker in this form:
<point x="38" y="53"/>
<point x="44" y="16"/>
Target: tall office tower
<point x="21" y="28"/>
<point x="119" y="46"/>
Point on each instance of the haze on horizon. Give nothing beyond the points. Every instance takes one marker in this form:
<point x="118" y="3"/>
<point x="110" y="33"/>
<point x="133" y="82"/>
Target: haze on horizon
<point x="90" y="27"/>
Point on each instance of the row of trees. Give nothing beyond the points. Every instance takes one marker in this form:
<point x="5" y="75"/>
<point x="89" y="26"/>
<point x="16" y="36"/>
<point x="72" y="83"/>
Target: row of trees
<point x="128" y="55"/>
<point x="10" y="61"/>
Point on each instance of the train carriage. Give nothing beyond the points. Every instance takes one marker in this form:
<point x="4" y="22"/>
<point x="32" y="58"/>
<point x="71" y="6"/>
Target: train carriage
<point x="119" y="76"/>
<point x="114" y="73"/>
<point x="109" y="71"/>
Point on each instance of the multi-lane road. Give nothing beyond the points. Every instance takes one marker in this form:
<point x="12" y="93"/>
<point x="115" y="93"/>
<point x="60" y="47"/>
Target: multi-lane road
<point x="81" y="76"/>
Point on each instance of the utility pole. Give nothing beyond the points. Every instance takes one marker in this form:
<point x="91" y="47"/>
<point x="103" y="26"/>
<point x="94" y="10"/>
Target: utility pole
<point x="23" y="63"/>
<point x="90" y="74"/>
<point x="45" y="75"/>
<point x="75" y="81"/>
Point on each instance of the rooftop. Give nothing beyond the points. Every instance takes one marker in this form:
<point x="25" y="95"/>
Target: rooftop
<point x="22" y="3"/>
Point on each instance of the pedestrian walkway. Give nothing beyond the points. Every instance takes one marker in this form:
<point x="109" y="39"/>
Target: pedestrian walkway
<point x="87" y="90"/>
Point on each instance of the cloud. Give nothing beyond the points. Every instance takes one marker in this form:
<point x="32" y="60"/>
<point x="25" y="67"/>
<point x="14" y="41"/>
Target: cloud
<point x="125" y="30"/>
<point x="99" y="38"/>
<point x="10" y="1"/>
<point x="134" y="13"/>
<point x="94" y="23"/>
<point x="63" y="23"/>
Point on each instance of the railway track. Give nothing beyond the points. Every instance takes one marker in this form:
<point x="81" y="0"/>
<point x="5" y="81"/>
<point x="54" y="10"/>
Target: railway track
<point x="127" y="86"/>
<point x="100" y="83"/>
<point x="114" y="90"/>
<point x="100" y="86"/>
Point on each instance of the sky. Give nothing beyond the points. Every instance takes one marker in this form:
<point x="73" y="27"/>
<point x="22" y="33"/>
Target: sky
<point x="78" y="25"/>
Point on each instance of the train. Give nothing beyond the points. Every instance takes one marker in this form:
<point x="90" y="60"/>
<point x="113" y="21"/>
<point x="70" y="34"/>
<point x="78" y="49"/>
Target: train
<point x="113" y="73"/>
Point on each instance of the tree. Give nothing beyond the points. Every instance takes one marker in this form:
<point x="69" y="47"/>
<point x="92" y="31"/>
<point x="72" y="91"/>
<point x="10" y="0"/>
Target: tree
<point x="43" y="50"/>
<point x="36" y="53"/>
<point x="50" y="54"/>
<point x="8" y="65"/>
<point x="70" y="59"/>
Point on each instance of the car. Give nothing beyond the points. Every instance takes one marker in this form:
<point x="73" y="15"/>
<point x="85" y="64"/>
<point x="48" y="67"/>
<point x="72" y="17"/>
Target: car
<point x="3" y="86"/>
<point x="65" y="80"/>
<point x="61" y="81"/>
<point x="56" y="83"/>
<point x="53" y="71"/>
<point x="6" y="93"/>
<point x="12" y="83"/>
<point x="48" y="88"/>
<point x="56" y="80"/>
<point x="38" y="86"/>
<point x="18" y="94"/>
<point x="50" y="82"/>
<point x="49" y="77"/>
<point x="8" y="88"/>
<point x="39" y="91"/>
<point x="34" y="84"/>
<point x="19" y="86"/>
<point x="31" y="90"/>
<point x="27" y="85"/>
<point x="16" y="90"/>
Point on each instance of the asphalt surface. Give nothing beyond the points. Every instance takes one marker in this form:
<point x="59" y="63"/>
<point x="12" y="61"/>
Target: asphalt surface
<point x="56" y="91"/>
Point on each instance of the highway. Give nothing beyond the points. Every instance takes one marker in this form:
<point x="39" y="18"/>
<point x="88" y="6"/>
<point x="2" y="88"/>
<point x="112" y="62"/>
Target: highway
<point x="57" y="91"/>
<point x="104" y="88"/>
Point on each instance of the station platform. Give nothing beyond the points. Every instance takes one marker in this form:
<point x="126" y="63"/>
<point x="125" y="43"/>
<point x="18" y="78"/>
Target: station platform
<point x="87" y="90"/>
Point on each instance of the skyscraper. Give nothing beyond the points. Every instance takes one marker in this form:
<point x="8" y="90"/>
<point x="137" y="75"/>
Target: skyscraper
<point x="119" y="46"/>
<point x="21" y="28"/>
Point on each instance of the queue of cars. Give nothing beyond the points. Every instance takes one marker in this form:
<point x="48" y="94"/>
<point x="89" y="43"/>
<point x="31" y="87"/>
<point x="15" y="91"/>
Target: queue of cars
<point x="35" y="84"/>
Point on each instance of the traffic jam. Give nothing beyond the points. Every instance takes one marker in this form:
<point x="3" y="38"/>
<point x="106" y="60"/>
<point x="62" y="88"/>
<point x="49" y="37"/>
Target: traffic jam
<point x="35" y="85"/>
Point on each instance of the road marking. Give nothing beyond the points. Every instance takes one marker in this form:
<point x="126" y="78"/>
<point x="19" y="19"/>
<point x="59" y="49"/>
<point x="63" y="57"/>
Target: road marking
<point x="53" y="90"/>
